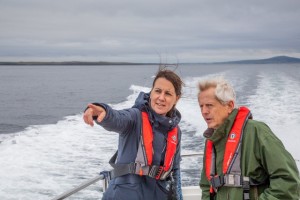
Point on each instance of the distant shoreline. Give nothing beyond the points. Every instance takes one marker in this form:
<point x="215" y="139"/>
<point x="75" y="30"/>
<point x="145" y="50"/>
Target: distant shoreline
<point x="273" y="60"/>
<point x="72" y="63"/>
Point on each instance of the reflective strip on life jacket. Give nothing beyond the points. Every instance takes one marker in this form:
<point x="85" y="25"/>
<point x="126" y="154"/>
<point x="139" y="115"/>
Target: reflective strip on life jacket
<point x="234" y="139"/>
<point x="147" y="136"/>
<point x="209" y="162"/>
<point x="232" y="147"/>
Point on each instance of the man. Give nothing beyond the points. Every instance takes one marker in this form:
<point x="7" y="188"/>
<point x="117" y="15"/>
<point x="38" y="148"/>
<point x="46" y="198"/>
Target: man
<point x="243" y="158"/>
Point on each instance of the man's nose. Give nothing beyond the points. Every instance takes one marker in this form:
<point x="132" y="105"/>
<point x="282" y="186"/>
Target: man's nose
<point x="204" y="110"/>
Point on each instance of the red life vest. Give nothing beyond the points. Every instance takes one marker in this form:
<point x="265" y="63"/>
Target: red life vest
<point x="147" y="148"/>
<point x="231" y="155"/>
<point x="143" y="163"/>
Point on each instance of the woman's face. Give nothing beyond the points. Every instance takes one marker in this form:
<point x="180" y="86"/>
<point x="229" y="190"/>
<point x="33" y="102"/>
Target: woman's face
<point x="163" y="96"/>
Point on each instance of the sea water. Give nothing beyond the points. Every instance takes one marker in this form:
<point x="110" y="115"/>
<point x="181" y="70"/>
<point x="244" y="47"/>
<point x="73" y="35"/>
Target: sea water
<point x="47" y="149"/>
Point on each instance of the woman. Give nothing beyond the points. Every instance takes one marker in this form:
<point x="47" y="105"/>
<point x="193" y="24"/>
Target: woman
<point x="147" y="163"/>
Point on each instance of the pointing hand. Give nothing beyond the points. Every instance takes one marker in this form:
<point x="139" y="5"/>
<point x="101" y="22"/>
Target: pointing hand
<point x="93" y="111"/>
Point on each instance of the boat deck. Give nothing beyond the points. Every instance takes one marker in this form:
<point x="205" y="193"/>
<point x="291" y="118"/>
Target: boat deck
<point x="191" y="193"/>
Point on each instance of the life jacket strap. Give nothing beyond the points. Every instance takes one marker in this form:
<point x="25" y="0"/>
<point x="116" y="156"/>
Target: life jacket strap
<point x="122" y="169"/>
<point x="216" y="182"/>
<point x="246" y="188"/>
<point x="229" y="180"/>
<point x="233" y="180"/>
<point x="152" y="171"/>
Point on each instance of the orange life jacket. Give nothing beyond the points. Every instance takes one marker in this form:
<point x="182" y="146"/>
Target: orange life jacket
<point x="231" y="157"/>
<point x="143" y="162"/>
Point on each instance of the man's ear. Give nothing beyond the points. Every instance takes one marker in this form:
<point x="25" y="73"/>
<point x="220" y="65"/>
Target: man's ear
<point x="230" y="106"/>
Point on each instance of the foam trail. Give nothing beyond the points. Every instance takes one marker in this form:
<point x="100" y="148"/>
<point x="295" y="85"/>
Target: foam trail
<point x="53" y="158"/>
<point x="276" y="103"/>
<point x="46" y="160"/>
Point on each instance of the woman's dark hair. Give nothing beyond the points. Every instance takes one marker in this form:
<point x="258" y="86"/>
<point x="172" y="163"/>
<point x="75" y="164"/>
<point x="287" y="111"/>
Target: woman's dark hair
<point x="172" y="77"/>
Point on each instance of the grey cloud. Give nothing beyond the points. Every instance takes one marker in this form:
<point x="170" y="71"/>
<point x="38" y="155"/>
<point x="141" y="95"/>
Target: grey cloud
<point x="196" y="30"/>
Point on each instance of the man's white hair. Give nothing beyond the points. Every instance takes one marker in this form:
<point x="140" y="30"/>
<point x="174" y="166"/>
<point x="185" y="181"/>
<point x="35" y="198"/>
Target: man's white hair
<point x="224" y="91"/>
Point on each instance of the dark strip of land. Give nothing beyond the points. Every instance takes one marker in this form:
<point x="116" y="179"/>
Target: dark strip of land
<point x="273" y="60"/>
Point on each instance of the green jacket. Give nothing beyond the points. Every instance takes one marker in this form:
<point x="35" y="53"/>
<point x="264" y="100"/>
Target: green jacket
<point x="263" y="157"/>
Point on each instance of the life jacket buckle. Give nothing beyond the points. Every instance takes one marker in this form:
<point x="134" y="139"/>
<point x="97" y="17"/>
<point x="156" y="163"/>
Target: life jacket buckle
<point x="217" y="181"/>
<point x="159" y="172"/>
<point x="155" y="171"/>
<point x="246" y="188"/>
<point x="232" y="180"/>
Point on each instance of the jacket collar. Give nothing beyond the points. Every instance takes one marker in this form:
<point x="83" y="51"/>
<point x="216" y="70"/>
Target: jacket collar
<point x="161" y="122"/>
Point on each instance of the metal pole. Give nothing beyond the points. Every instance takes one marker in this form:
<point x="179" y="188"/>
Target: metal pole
<point x="78" y="188"/>
<point x="192" y="154"/>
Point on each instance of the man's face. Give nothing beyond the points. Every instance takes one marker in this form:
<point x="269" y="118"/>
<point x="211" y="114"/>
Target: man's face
<point x="213" y="112"/>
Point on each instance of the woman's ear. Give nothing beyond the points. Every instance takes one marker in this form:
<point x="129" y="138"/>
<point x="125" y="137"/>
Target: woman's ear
<point x="177" y="99"/>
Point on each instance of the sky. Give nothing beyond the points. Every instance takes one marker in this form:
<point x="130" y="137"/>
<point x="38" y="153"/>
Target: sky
<point x="148" y="31"/>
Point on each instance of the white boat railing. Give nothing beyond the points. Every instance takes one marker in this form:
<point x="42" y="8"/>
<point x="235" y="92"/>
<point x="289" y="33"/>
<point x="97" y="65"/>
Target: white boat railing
<point x="190" y="192"/>
<point x="79" y="187"/>
<point x="101" y="177"/>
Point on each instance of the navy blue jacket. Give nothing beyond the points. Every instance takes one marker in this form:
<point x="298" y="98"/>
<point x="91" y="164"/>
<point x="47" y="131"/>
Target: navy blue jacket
<point x="127" y="123"/>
